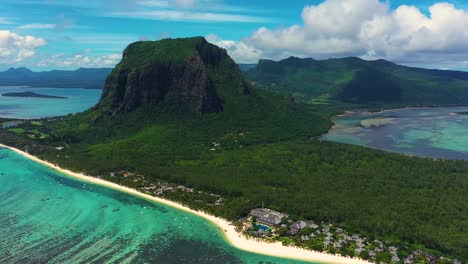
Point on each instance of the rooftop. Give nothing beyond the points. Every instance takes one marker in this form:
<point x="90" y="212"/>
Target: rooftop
<point x="268" y="216"/>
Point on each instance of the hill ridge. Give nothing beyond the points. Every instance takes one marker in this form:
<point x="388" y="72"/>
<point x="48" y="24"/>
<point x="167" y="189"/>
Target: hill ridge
<point x="355" y="80"/>
<point x="90" y="78"/>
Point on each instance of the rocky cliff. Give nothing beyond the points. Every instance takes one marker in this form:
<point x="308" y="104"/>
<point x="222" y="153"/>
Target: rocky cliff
<point x="176" y="74"/>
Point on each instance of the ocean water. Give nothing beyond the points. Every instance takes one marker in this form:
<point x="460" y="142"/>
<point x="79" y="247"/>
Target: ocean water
<point x="77" y="100"/>
<point x="47" y="217"/>
<point x="440" y="132"/>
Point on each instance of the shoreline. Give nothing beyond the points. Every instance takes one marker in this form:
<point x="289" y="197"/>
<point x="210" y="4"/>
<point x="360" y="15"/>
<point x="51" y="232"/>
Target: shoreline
<point x="226" y="228"/>
<point x="353" y="111"/>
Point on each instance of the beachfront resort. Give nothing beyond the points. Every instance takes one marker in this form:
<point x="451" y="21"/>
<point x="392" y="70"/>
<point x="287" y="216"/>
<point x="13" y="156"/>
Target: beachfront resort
<point x="271" y="225"/>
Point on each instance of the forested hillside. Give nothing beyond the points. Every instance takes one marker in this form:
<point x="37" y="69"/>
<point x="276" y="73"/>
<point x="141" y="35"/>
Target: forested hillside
<point x="359" y="81"/>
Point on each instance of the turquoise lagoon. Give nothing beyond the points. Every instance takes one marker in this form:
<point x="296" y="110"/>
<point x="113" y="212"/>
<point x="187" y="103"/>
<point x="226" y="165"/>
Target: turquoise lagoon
<point x="439" y="132"/>
<point x="47" y="217"/>
<point x="77" y="100"/>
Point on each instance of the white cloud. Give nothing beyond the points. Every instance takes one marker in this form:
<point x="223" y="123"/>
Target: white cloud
<point x="238" y="50"/>
<point x="171" y="3"/>
<point x="119" y="40"/>
<point x="37" y="26"/>
<point x="80" y="60"/>
<point x="6" y="21"/>
<point x="154" y="3"/>
<point x="185" y="3"/>
<point x="189" y="11"/>
<point x="15" y="48"/>
<point x="365" y="28"/>
<point x="193" y="16"/>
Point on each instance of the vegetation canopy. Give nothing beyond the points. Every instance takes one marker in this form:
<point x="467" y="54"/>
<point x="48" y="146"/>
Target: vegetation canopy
<point x="360" y="81"/>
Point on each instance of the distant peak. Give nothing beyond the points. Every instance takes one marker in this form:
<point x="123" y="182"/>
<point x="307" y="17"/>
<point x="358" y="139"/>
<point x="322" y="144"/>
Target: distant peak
<point x="384" y="62"/>
<point x="21" y="70"/>
<point x="297" y="62"/>
<point x="293" y="58"/>
<point x="353" y="58"/>
<point x="260" y="61"/>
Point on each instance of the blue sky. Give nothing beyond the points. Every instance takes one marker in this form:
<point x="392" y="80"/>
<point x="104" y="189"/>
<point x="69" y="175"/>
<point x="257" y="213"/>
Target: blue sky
<point x="68" y="34"/>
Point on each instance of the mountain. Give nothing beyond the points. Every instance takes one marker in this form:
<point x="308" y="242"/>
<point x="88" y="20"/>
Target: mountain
<point x="90" y="78"/>
<point x="183" y="74"/>
<point x="360" y="81"/>
<point x="192" y="85"/>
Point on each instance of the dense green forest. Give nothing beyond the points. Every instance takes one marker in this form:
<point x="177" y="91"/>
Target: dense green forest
<point x="333" y="79"/>
<point x="261" y="148"/>
<point x="278" y="162"/>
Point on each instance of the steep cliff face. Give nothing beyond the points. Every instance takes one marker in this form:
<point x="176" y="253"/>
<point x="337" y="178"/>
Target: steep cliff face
<point x="176" y="74"/>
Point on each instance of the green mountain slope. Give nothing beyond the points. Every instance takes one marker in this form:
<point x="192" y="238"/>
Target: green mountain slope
<point x="359" y="81"/>
<point x="255" y="147"/>
<point x="189" y="91"/>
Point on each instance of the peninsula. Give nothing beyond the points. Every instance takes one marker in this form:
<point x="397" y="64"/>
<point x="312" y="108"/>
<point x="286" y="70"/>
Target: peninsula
<point x="32" y="95"/>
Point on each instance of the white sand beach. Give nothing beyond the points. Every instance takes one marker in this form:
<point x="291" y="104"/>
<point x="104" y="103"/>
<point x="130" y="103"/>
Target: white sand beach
<point x="231" y="235"/>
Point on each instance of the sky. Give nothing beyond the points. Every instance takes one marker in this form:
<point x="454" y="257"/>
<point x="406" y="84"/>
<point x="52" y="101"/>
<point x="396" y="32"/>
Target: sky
<point x="69" y="34"/>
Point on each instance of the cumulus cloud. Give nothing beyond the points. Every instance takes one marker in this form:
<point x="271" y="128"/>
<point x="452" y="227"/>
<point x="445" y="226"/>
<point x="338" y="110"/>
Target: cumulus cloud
<point x="80" y="60"/>
<point x="15" y="48"/>
<point x="240" y="51"/>
<point x="365" y="28"/>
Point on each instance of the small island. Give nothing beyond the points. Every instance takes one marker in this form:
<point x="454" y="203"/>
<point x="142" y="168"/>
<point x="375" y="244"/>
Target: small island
<point x="32" y="95"/>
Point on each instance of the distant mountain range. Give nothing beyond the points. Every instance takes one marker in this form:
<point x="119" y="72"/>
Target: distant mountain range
<point x="89" y="78"/>
<point x="359" y="81"/>
<point x="346" y="79"/>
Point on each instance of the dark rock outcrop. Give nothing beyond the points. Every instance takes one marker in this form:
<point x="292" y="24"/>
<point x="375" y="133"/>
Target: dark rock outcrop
<point x="177" y="74"/>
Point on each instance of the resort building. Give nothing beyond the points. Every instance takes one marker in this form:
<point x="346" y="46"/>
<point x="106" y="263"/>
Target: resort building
<point x="267" y="216"/>
<point x="299" y="225"/>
